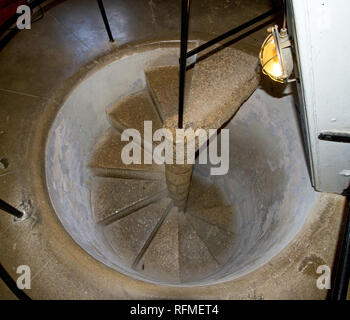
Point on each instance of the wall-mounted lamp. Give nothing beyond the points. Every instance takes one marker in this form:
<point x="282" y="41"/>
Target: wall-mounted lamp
<point x="276" y="55"/>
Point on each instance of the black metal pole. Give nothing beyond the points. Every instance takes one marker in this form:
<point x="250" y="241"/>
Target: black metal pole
<point x="334" y="137"/>
<point x="12" y="285"/>
<point x="185" y="15"/>
<point x="232" y="32"/>
<point x="342" y="273"/>
<point x="105" y="20"/>
<point x="10" y="209"/>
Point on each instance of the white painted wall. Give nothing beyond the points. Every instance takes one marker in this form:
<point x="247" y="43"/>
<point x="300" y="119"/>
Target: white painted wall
<point x="321" y="30"/>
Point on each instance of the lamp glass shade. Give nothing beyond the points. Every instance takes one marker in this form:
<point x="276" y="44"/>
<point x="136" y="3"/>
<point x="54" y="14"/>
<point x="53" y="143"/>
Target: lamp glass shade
<point x="270" y="60"/>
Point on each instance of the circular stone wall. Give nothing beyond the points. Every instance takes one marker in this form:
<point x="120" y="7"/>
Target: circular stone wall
<point x="267" y="183"/>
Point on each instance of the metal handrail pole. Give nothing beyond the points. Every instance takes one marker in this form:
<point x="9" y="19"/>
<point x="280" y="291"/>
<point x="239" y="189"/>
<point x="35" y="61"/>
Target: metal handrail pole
<point x="233" y="31"/>
<point x="185" y="15"/>
<point x="105" y="20"/>
<point x="10" y="209"/>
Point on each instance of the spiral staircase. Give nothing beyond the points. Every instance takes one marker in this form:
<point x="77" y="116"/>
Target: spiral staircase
<point x="132" y="203"/>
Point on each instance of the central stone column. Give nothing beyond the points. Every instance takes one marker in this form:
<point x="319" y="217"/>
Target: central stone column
<point x="178" y="175"/>
<point x="178" y="179"/>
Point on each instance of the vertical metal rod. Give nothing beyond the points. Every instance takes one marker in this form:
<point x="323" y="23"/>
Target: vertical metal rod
<point x="185" y="15"/>
<point x="105" y="20"/>
<point x="11" y="210"/>
<point x="233" y="31"/>
<point x="342" y="272"/>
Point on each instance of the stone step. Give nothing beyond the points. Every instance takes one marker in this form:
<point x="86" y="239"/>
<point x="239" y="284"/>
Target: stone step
<point x="163" y="85"/>
<point x="132" y="111"/>
<point x="199" y="185"/>
<point x="220" y="83"/>
<point x="129" y="235"/>
<point x="114" y="198"/>
<point x="209" y="198"/>
<point x="161" y="259"/>
<point x="180" y="249"/>
<point x="196" y="261"/>
<point x="219" y="242"/>
<point x="105" y="160"/>
<point x="222" y="217"/>
<point x="167" y="205"/>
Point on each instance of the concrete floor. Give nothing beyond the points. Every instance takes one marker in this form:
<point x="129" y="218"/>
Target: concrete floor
<point x="36" y="62"/>
<point x="71" y="34"/>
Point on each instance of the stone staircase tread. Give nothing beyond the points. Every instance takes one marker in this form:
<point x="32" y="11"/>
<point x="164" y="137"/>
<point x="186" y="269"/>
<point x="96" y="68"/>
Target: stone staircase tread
<point x="163" y="85"/>
<point x="127" y="173"/>
<point x="110" y="196"/>
<point x="105" y="158"/>
<point x="196" y="261"/>
<point x="129" y="235"/>
<point x="167" y="205"/>
<point x="199" y="185"/>
<point x="219" y="242"/>
<point x="132" y="111"/>
<point x="221" y="82"/>
<point x="222" y="217"/>
<point x="161" y="259"/>
<point x="210" y="198"/>
<point x="227" y="79"/>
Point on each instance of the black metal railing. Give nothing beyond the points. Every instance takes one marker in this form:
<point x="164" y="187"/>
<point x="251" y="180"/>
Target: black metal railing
<point x="341" y="273"/>
<point x="105" y="20"/>
<point x="184" y="55"/>
<point x="10" y="209"/>
<point x="185" y="17"/>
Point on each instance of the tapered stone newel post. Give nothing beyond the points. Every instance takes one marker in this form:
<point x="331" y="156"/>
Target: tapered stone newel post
<point x="178" y="179"/>
<point x="178" y="175"/>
